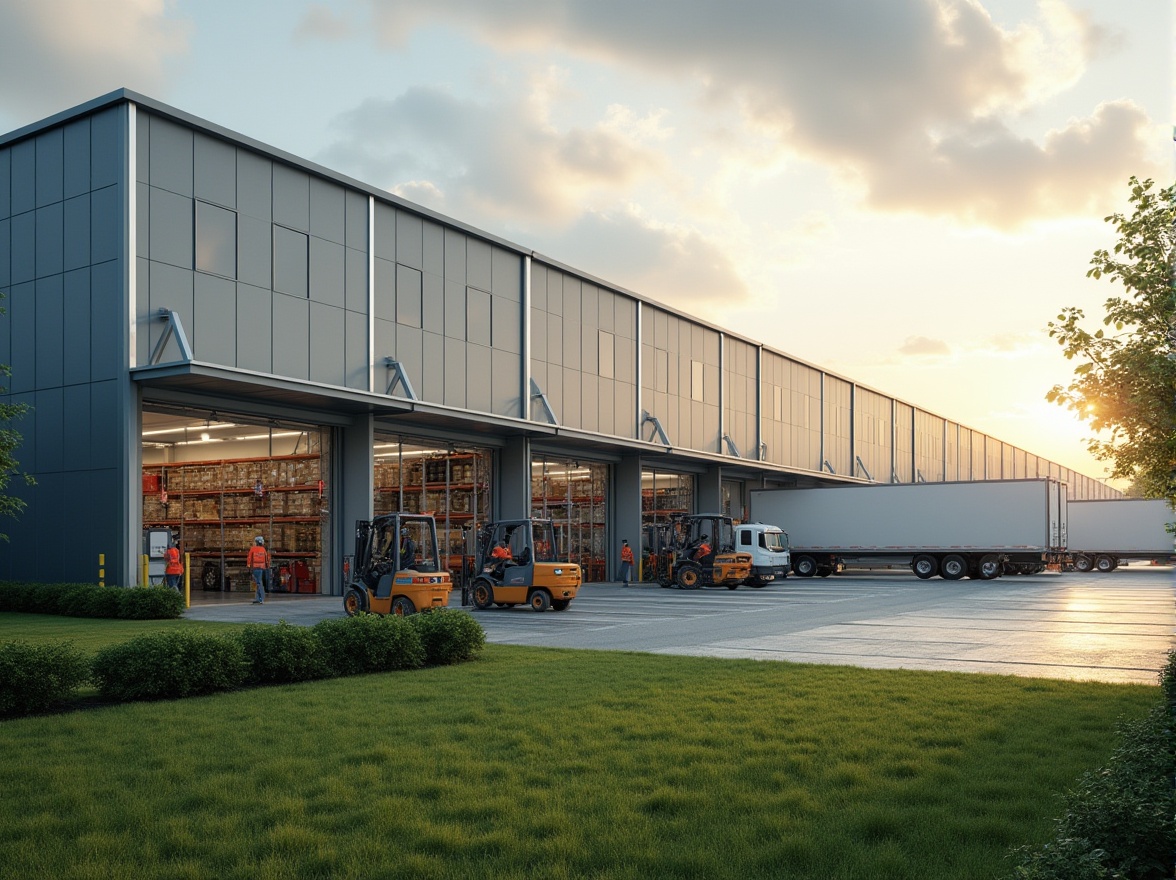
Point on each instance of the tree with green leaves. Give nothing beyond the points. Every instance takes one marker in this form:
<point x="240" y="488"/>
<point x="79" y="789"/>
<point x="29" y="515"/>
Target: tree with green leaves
<point x="10" y="440"/>
<point x="1124" y="386"/>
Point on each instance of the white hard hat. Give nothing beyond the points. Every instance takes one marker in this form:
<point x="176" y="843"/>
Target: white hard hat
<point x="259" y="540"/>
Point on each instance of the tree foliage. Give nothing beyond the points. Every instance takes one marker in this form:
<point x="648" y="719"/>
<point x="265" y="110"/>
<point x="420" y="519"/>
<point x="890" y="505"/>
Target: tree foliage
<point x="1124" y="386"/>
<point x="10" y="441"/>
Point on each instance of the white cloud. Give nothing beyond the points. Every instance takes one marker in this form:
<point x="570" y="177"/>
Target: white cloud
<point x="322" y="23"/>
<point x="77" y="49"/>
<point x="922" y="346"/>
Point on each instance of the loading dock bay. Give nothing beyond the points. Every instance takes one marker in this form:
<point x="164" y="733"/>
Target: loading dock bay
<point x="1115" y="627"/>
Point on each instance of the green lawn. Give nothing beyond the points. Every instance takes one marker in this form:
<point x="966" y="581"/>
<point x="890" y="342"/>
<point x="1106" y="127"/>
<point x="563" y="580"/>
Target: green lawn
<point x="546" y="763"/>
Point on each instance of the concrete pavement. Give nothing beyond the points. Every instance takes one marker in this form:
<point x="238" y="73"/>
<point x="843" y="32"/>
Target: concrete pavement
<point x="1115" y="627"/>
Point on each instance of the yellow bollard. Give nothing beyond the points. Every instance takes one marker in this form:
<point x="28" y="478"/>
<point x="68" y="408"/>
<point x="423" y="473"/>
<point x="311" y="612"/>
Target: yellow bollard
<point x="143" y="574"/>
<point x="102" y="569"/>
<point x="187" y="580"/>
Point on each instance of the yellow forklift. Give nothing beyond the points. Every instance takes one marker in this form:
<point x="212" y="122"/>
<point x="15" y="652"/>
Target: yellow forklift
<point x="527" y="568"/>
<point x="396" y="569"/>
<point x="698" y="550"/>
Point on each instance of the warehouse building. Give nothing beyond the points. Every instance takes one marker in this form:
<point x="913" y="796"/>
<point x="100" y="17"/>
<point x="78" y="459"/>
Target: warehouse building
<point x="220" y="339"/>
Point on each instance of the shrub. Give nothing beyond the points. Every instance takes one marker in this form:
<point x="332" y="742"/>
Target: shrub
<point x="169" y="664"/>
<point x="94" y="601"/>
<point x="14" y="596"/>
<point x="1168" y="680"/>
<point x="448" y="636"/>
<point x="369" y="643"/>
<point x="282" y="653"/>
<point x="45" y="598"/>
<point x="33" y="677"/>
<point x="150" y="603"/>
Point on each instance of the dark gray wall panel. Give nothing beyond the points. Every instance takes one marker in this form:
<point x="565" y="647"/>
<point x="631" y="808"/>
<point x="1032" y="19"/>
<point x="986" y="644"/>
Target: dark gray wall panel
<point x="26" y="450"/>
<point x="142" y="219"/>
<point x="327" y="272"/>
<point x="291" y="262"/>
<point x="384" y="346"/>
<point x="479" y="379"/>
<point x="47" y="516"/>
<point x="77" y="158"/>
<point x="5" y="254"/>
<point x="50" y="166"/>
<point x="507" y="274"/>
<point x="24" y="176"/>
<point x="106" y="147"/>
<point x="355" y="351"/>
<point x="50" y="239"/>
<point x="50" y="342"/>
<point x="5" y="184"/>
<point x="434" y="249"/>
<point x="77" y="232"/>
<point x="409" y="240"/>
<point x="477" y="316"/>
<point x="385" y="290"/>
<point x="327" y="345"/>
<point x="505" y="371"/>
<point x="142" y="149"/>
<point x="76" y="438"/>
<point x="105" y="448"/>
<point x="254" y="251"/>
<point x="356" y="274"/>
<point x="328" y="211"/>
<point x="24" y="247"/>
<point x="291" y="197"/>
<point x="357" y="221"/>
<point x="142" y="307"/>
<point x="455" y="310"/>
<point x="291" y="336"/>
<point x="170" y="288"/>
<point x="479" y="265"/>
<point x="455" y="372"/>
<point x="76" y="330"/>
<point x="385" y="232"/>
<point x="216" y="240"/>
<point x="254" y="342"/>
<point x="433" y="303"/>
<point x="254" y="185"/>
<point x="214" y="171"/>
<point x="409" y="351"/>
<point x="22" y="318"/>
<point x="51" y="430"/>
<point x="107" y="341"/>
<point x="455" y="258"/>
<point x="432" y="387"/>
<point x="408" y="296"/>
<point x="507" y="324"/>
<point x="214" y="330"/>
<point x="171" y="156"/>
<point x="171" y="227"/>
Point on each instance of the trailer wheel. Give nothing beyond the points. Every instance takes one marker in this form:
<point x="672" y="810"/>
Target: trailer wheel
<point x="988" y="567"/>
<point x="689" y="576"/>
<point x="804" y="566"/>
<point x="402" y="606"/>
<point x="925" y="567"/>
<point x="1105" y="563"/>
<point x="354" y="601"/>
<point x="483" y="594"/>
<point x="540" y="600"/>
<point x="953" y="567"/>
<point x="1082" y="562"/>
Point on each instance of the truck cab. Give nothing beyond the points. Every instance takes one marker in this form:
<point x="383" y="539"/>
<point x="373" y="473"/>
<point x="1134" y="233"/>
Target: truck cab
<point x="768" y="546"/>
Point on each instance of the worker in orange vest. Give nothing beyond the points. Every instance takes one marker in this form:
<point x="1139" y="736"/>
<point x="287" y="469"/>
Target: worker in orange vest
<point x="626" y="563"/>
<point x="258" y="563"/>
<point x="173" y="567"/>
<point x="500" y="557"/>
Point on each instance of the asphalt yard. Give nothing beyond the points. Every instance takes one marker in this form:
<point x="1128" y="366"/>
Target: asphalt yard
<point x="1115" y="627"/>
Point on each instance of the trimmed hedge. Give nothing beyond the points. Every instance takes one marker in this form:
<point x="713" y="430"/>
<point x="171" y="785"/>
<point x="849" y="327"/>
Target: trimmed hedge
<point x="34" y="677"/>
<point x="282" y="654"/>
<point x="90" y="600"/>
<point x="369" y="643"/>
<point x="165" y="665"/>
<point x="449" y="636"/>
<point x="1120" y="821"/>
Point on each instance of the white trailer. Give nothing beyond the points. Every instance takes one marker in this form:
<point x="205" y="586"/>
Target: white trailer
<point x="1103" y="533"/>
<point x="981" y="529"/>
<point x="768" y="546"/>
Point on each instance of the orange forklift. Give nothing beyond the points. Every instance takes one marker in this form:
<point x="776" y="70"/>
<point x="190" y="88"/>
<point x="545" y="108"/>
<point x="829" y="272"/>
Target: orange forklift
<point x="526" y="568"/>
<point x="397" y="569"/>
<point x="698" y="550"/>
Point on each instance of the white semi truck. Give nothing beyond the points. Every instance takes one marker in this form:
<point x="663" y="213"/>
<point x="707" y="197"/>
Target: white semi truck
<point x="1103" y="533"/>
<point x="980" y="529"/>
<point x="768" y="546"/>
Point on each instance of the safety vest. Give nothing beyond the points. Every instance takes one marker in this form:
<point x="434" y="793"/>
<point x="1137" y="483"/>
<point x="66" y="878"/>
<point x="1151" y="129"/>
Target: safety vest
<point x="626" y="553"/>
<point x="258" y="557"/>
<point x="172" y="558"/>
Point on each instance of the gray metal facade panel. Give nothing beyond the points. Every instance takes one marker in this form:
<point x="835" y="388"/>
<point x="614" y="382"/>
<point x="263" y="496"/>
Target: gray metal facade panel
<point x="107" y="354"/>
<point x="570" y="415"/>
<point x="171" y="230"/>
<point x="254" y="185"/>
<point x="291" y="197"/>
<point x="355" y="350"/>
<point x="5" y="184"/>
<point x="623" y="408"/>
<point x="254" y="341"/>
<point x="77" y="232"/>
<point x="589" y="350"/>
<point x="50" y="167"/>
<point x="433" y="245"/>
<point x="106" y="147"/>
<point x="455" y="258"/>
<point x="171" y="156"/>
<point x="327" y="272"/>
<point x="455" y="310"/>
<point x="384" y="234"/>
<point x="213" y="334"/>
<point x="50" y="341"/>
<point x="291" y="336"/>
<point x="357" y="221"/>
<point x="24" y="176"/>
<point x="605" y="394"/>
<point x="554" y="292"/>
<point x="50" y="234"/>
<point x="589" y="306"/>
<point x="384" y="289"/>
<point x="5" y="254"/>
<point x="356" y="280"/>
<point x="50" y="567"/>
<point x="327" y="351"/>
<point x="408" y="296"/>
<point x="571" y="299"/>
<point x="570" y="355"/>
<point x="504" y="397"/>
<point x="479" y="265"/>
<point x="506" y="274"/>
<point x="171" y="288"/>
<point x="538" y="286"/>
<point x="254" y="251"/>
<point x="291" y="262"/>
<point x="455" y="372"/>
<point x="432" y="303"/>
<point x="22" y="317"/>
<point x="479" y="379"/>
<point x="76" y="401"/>
<point x="23" y="235"/>
<point x="384" y="346"/>
<point x="538" y="335"/>
<point x="105" y="447"/>
<point x="410" y="352"/>
<point x="76" y="330"/>
<point x="589" y="402"/>
<point x="216" y="240"/>
<point x="50" y="415"/>
<point x="409" y="240"/>
<point x="77" y="158"/>
<point x="432" y="387"/>
<point x="555" y="340"/>
<point x="214" y="172"/>
<point x="477" y="317"/>
<point x="606" y="310"/>
<point x="328" y="211"/>
<point x="142" y="219"/>
<point x="106" y="233"/>
<point x="506" y="322"/>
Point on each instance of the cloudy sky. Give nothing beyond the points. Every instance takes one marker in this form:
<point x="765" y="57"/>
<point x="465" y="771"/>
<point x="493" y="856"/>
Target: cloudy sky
<point x="904" y="192"/>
